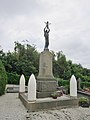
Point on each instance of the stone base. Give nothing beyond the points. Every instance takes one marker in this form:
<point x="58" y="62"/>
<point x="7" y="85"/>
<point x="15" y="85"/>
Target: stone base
<point x="48" y="103"/>
<point x="43" y="94"/>
<point x="46" y="87"/>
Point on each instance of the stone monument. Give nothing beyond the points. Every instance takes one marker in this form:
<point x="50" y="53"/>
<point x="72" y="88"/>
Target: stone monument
<point x="46" y="83"/>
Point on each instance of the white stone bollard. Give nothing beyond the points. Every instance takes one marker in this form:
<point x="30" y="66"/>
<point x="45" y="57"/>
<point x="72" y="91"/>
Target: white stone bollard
<point x="73" y="87"/>
<point x="22" y="84"/>
<point x="32" y="88"/>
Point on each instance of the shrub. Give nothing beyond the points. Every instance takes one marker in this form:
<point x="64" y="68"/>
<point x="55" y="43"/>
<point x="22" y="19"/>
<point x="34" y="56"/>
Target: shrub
<point x="85" y="84"/>
<point x="54" y="95"/>
<point x="84" y="102"/>
<point x="3" y="78"/>
<point x="13" y="78"/>
<point x="62" y="82"/>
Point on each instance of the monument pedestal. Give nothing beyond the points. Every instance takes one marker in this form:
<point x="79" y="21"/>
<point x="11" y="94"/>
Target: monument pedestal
<point x="46" y="83"/>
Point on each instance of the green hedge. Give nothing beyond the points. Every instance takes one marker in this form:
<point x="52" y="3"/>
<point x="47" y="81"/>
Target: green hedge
<point x="13" y="78"/>
<point x="85" y="78"/>
<point x="85" y="84"/>
<point x="3" y="79"/>
<point x="62" y="82"/>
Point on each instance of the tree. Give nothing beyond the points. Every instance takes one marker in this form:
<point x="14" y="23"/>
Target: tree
<point x="24" y="59"/>
<point x="27" y="59"/>
<point x="60" y="65"/>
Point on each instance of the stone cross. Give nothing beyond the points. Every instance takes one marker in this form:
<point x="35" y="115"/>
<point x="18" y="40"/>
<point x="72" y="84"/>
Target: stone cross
<point x="22" y="84"/>
<point x="32" y="88"/>
<point x="73" y="87"/>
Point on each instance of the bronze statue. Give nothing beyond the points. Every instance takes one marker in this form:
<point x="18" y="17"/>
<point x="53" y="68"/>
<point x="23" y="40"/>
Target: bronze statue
<point x="46" y="34"/>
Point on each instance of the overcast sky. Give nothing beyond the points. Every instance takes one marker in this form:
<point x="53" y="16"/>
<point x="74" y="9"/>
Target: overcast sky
<point x="69" y="29"/>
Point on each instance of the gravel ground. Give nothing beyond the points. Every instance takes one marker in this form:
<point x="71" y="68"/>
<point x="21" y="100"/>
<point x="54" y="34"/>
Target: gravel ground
<point x="63" y="114"/>
<point x="11" y="108"/>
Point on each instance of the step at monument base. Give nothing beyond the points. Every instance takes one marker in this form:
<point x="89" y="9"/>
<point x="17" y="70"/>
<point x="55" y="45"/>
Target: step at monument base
<point x="48" y="103"/>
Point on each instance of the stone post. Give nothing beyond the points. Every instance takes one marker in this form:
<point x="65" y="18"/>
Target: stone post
<point x="32" y="88"/>
<point x="22" y="84"/>
<point x="79" y="84"/>
<point x="73" y="87"/>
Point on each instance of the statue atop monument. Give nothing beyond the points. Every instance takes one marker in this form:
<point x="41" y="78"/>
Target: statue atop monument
<point x="46" y="34"/>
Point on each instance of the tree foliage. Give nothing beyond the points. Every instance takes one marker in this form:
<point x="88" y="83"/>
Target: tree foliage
<point x="25" y="60"/>
<point x="65" y="69"/>
<point x="3" y="79"/>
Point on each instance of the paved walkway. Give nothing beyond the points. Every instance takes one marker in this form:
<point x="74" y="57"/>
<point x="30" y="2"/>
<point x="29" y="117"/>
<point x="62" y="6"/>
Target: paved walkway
<point x="11" y="108"/>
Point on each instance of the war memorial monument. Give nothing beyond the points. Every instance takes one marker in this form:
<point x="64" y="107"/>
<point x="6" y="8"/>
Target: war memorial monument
<point x="40" y="89"/>
<point x="46" y="83"/>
